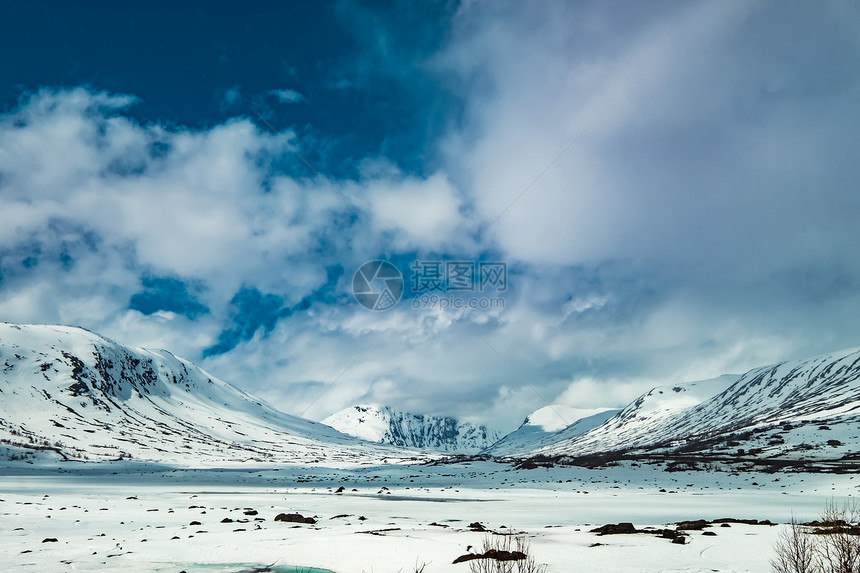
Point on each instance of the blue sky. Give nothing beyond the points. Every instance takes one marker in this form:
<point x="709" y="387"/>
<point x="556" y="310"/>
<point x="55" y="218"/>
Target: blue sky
<point x="672" y="186"/>
<point x="192" y="64"/>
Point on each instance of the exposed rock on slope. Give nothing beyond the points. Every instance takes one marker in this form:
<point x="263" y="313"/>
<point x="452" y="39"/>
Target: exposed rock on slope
<point x="69" y="391"/>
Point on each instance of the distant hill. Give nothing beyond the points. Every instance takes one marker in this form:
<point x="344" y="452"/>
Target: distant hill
<point x="69" y="393"/>
<point x="386" y="425"/>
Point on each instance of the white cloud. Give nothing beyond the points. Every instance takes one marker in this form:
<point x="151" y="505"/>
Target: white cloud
<point x="693" y="152"/>
<point x="421" y="214"/>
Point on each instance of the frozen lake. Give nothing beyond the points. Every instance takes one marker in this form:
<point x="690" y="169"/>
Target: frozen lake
<point x="151" y="518"/>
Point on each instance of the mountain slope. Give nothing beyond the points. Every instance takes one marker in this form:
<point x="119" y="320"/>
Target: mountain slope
<point x="82" y="396"/>
<point x="549" y="425"/>
<point x="386" y="425"/>
<point x="802" y="409"/>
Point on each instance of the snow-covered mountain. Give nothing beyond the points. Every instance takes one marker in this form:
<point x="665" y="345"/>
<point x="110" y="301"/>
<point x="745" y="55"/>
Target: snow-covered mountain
<point x="75" y="395"/>
<point x="386" y="425"/>
<point x="71" y="392"/>
<point x="549" y="425"/>
<point x="796" y="410"/>
<point x="641" y="421"/>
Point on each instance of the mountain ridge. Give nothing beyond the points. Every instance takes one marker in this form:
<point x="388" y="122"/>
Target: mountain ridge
<point x="387" y="425"/>
<point x="83" y="396"/>
<point x="791" y="411"/>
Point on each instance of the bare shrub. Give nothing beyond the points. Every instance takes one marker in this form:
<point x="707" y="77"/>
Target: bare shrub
<point x="506" y="544"/>
<point x="795" y="551"/>
<point x="839" y="543"/>
<point x="831" y="545"/>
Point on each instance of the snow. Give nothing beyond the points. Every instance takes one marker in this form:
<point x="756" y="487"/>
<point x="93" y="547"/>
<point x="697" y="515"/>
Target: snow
<point x="82" y="396"/>
<point x="549" y="426"/>
<point x="114" y="451"/>
<point x="141" y="509"/>
<point x="386" y="425"/>
<point x="362" y="421"/>
<point x="793" y="410"/>
<point x="556" y="417"/>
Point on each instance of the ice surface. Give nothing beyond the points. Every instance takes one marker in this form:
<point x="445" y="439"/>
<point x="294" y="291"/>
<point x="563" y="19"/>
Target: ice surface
<point x="128" y="521"/>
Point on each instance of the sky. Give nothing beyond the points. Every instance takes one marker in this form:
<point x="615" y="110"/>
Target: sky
<point x="575" y="201"/>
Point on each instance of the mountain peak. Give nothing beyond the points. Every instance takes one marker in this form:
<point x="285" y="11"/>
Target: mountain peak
<point x="554" y="417"/>
<point x="78" y="395"/>
<point x="386" y="425"/>
<point x="797" y="409"/>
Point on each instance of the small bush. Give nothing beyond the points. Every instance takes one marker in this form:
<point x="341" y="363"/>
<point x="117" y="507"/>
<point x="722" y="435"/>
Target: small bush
<point x="507" y="544"/>
<point x="831" y="545"/>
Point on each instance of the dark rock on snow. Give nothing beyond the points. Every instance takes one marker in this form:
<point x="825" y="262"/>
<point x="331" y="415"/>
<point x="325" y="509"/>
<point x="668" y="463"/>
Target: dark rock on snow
<point x="294" y="518"/>
<point x="613" y="529"/>
<point x="496" y="554"/>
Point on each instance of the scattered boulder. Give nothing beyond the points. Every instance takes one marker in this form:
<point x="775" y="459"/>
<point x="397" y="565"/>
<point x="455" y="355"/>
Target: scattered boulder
<point x="615" y="529"/>
<point x="709" y="533"/>
<point x="696" y="525"/>
<point x="476" y="526"/>
<point x="294" y="518"/>
<point x="226" y="520"/>
<point x="626" y="528"/>
<point x="250" y="512"/>
<point x="339" y="490"/>
<point x="49" y="540"/>
<point x="500" y="555"/>
<point x="195" y="523"/>
<point x="744" y="521"/>
<point x="680" y="540"/>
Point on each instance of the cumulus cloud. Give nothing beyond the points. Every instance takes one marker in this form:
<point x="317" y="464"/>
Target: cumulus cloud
<point x="191" y="241"/>
<point x="417" y="214"/>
